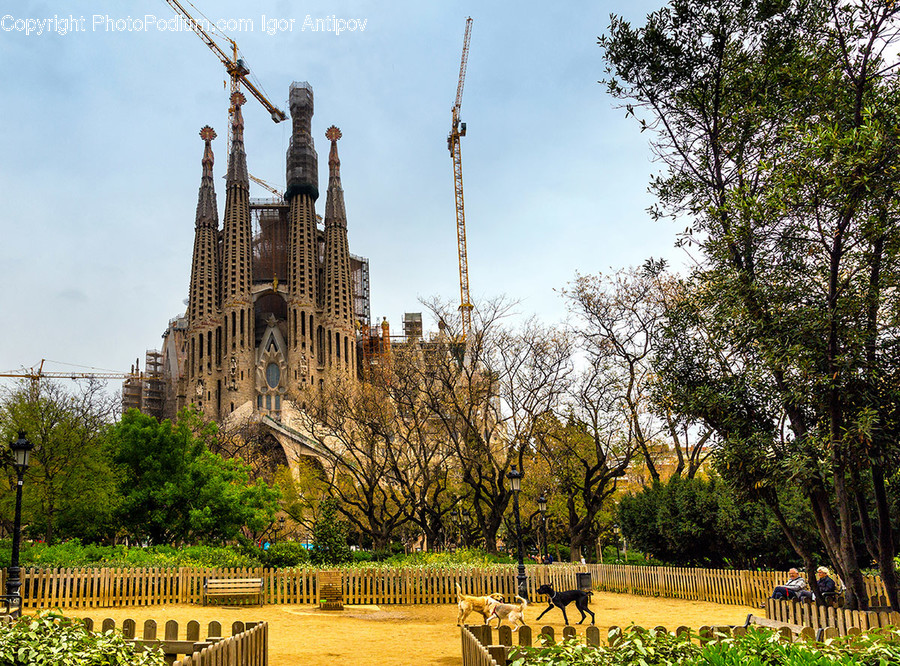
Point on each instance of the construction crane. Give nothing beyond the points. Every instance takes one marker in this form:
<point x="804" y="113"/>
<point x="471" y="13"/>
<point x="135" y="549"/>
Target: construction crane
<point x="36" y="374"/>
<point x="235" y="66"/>
<point x="457" y="130"/>
<point x="271" y="188"/>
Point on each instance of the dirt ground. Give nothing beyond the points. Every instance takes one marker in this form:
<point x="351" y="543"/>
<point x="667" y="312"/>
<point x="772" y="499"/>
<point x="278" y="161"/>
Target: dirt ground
<point x="406" y="635"/>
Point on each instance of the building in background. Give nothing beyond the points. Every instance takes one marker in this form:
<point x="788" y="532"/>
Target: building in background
<point x="275" y="298"/>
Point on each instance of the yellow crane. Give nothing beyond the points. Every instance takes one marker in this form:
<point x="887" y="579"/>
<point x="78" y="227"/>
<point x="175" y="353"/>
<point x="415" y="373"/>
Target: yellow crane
<point x="234" y="65"/>
<point x="36" y="374"/>
<point x="457" y="130"/>
<point x="271" y="188"/>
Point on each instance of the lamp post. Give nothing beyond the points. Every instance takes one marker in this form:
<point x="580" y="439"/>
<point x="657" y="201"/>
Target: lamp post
<point x="280" y="527"/>
<point x="542" y="505"/>
<point x="617" y="532"/>
<point x="515" y="482"/>
<point x="21" y="449"/>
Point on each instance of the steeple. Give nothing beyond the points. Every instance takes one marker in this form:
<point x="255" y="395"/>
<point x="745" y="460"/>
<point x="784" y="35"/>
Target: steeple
<point x="203" y="298"/>
<point x="237" y="349"/>
<point x="305" y="329"/>
<point x="338" y="311"/>
<point x="334" y="203"/>
<point x="207" y="214"/>
<point x="236" y="260"/>
<point x="237" y="161"/>
<point x="204" y="287"/>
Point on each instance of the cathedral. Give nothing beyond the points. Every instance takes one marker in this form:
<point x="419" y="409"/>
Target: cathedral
<point x="275" y="299"/>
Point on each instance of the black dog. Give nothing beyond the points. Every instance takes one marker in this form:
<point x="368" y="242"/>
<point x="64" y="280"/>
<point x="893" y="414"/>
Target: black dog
<point x="563" y="599"/>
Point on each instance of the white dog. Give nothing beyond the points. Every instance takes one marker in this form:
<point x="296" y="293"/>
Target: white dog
<point x="513" y="613"/>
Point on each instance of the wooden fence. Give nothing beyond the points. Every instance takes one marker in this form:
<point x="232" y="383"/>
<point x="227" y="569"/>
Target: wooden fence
<point x="108" y="587"/>
<point x="476" y="651"/>
<point x="248" y="648"/>
<point x="729" y="587"/>
<point x="505" y="651"/>
<point x="821" y="617"/>
<point x="174" y="644"/>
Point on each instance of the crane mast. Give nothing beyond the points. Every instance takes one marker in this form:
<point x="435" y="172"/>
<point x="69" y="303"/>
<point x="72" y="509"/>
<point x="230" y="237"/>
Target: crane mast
<point x="457" y="130"/>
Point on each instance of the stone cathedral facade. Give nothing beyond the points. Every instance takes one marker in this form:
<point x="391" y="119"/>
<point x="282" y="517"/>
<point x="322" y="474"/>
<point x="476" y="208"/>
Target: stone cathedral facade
<point x="274" y="298"/>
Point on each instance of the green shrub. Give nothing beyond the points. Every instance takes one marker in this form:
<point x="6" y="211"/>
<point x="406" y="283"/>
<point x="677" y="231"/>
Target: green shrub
<point x="759" y="647"/>
<point x="286" y="554"/>
<point x="364" y="556"/>
<point x="49" y="639"/>
<point x="73" y="554"/>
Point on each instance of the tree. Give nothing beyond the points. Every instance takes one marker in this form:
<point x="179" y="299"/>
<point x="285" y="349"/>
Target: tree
<point x="70" y="489"/>
<point x="776" y="125"/>
<point x="619" y="318"/>
<point x="487" y="394"/>
<point x="175" y="490"/>
<point x="355" y="426"/>
<point x="585" y="454"/>
<point x="700" y="522"/>
<point x="330" y="536"/>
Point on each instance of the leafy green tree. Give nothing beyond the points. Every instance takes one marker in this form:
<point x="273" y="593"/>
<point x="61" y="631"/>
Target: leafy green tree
<point x="776" y="123"/>
<point x="175" y="490"/>
<point x="330" y="536"/>
<point x="700" y="522"/>
<point x="70" y="487"/>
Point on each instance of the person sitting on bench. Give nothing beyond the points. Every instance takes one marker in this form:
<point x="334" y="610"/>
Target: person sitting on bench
<point x="827" y="587"/>
<point x="792" y="588"/>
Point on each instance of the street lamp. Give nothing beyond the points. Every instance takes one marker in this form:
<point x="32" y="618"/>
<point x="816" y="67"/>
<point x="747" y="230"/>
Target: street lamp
<point x="542" y="505"/>
<point x="21" y="449"/>
<point x="280" y="527"/>
<point x="515" y="482"/>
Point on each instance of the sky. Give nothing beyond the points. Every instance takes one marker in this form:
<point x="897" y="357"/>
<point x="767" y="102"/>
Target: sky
<point x="100" y="156"/>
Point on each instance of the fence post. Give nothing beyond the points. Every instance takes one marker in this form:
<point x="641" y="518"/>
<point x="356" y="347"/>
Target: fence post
<point x="746" y="588"/>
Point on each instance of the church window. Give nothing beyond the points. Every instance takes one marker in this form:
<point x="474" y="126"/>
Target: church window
<point x="273" y="375"/>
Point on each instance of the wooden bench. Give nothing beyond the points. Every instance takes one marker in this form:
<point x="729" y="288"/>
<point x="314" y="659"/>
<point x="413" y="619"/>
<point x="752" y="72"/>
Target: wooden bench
<point x="233" y="587"/>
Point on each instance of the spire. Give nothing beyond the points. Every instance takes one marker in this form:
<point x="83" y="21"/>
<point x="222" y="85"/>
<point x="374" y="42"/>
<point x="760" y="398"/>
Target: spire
<point x="204" y="288"/>
<point x="207" y="215"/>
<point x="335" y="212"/>
<point x="237" y="161"/>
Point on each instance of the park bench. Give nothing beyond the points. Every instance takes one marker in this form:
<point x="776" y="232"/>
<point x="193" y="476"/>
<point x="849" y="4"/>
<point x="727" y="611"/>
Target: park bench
<point x="233" y="587"/>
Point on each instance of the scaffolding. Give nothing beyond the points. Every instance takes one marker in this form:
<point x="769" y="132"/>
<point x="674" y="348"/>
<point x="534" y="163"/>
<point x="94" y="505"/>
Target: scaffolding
<point x="146" y="391"/>
<point x="269" y="220"/>
<point x="359" y="278"/>
<point x="412" y="326"/>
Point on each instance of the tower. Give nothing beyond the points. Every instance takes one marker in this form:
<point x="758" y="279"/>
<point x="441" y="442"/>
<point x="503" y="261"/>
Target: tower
<point x="306" y="335"/>
<point x="237" y="343"/>
<point x="203" y="297"/>
<point x="337" y="297"/>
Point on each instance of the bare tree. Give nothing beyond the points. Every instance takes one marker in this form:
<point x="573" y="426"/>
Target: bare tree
<point x="487" y="392"/>
<point x="619" y="318"/>
<point x="587" y="448"/>
<point x="355" y="426"/>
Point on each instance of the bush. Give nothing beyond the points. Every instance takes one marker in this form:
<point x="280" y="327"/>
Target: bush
<point x="760" y="646"/>
<point x="74" y="554"/>
<point x="462" y="556"/>
<point x="286" y="554"/>
<point x="53" y="640"/>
